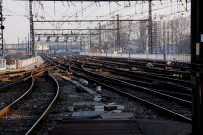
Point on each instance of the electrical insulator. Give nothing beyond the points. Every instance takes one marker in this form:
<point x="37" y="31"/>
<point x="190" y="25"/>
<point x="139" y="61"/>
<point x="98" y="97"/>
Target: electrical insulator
<point x="75" y="38"/>
<point x="48" y="38"/>
<point x="66" y="39"/>
<point x="38" y="38"/>
<point x="57" y="39"/>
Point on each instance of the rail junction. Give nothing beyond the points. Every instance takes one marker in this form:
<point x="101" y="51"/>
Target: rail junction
<point x="71" y="93"/>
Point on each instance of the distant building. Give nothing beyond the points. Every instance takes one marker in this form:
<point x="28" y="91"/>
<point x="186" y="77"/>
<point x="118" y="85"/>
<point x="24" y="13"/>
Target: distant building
<point x="171" y="35"/>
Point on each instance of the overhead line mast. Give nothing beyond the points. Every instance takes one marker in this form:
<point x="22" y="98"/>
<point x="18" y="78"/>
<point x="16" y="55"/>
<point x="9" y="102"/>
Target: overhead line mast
<point x="32" y="36"/>
<point x="1" y="31"/>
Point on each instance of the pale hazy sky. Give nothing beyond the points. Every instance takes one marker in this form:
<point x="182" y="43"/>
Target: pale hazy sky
<point x="17" y="23"/>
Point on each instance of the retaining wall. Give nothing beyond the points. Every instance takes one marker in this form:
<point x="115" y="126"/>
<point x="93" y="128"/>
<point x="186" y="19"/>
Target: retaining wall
<point x="19" y="64"/>
<point x="26" y="62"/>
<point x="2" y="64"/>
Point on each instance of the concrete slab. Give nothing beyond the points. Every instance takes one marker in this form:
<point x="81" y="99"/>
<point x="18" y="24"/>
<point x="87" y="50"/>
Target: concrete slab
<point x="97" y="98"/>
<point x="97" y="127"/>
<point x="117" y="111"/>
<point x="99" y="108"/>
<point x="123" y="115"/>
<point x="79" y="85"/>
<point x="87" y="103"/>
<point x="86" y="113"/>
<point x="161" y="127"/>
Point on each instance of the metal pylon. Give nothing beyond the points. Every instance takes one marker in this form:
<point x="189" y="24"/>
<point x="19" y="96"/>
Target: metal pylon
<point x="1" y="30"/>
<point x="32" y="36"/>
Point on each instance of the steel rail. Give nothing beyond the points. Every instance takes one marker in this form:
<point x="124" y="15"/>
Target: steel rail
<point x="133" y="85"/>
<point x="7" y="108"/>
<point x="174" y="115"/>
<point x="21" y="80"/>
<point x="14" y="73"/>
<point x="157" y="72"/>
<point x="48" y="108"/>
<point x="141" y="87"/>
<point x="148" y="77"/>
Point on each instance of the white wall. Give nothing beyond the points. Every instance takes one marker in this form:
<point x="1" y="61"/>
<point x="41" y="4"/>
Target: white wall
<point x="2" y="64"/>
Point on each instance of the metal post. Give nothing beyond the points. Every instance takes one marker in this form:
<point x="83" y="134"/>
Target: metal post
<point x="49" y="47"/>
<point x="18" y="44"/>
<point x="90" y="42"/>
<point x="71" y="46"/>
<point x="99" y="37"/>
<point x="25" y="44"/>
<point x="114" y="36"/>
<point x="32" y="36"/>
<point x="28" y="45"/>
<point x="21" y="49"/>
<point x="80" y="43"/>
<point x="118" y="34"/>
<point x="66" y="47"/>
<point x="42" y="47"/>
<point x="197" y="66"/>
<point x="150" y="29"/>
<point x="57" y="46"/>
<point x="1" y="31"/>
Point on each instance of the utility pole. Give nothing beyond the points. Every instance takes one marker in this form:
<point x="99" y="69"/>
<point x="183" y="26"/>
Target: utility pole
<point x="197" y="66"/>
<point x="32" y="36"/>
<point x="42" y="47"/>
<point x="25" y="45"/>
<point x="66" y="47"/>
<point x="22" y="46"/>
<point x="57" y="46"/>
<point x="118" y="34"/>
<point x="150" y="28"/>
<point x="114" y="36"/>
<point x="71" y="47"/>
<point x="18" y="44"/>
<point x="81" y="43"/>
<point x="28" y="44"/>
<point x="1" y="31"/>
<point x="90" y="42"/>
<point x="99" y="37"/>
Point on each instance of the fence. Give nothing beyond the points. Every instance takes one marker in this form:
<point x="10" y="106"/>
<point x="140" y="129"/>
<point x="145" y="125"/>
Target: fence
<point x="170" y="57"/>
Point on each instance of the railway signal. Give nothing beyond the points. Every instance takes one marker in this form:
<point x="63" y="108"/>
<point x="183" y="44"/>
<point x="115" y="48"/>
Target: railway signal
<point x="38" y="38"/>
<point x="57" y="39"/>
<point x="48" y="38"/>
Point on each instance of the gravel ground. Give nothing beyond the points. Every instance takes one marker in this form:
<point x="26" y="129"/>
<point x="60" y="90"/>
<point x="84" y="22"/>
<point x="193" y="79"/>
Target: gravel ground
<point x="139" y="110"/>
<point x="9" y="95"/>
<point x="25" y="113"/>
<point x="67" y="96"/>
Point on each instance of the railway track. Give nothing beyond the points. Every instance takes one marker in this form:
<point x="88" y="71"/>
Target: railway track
<point x="162" y="102"/>
<point x="170" y="86"/>
<point x="157" y="65"/>
<point x="157" y="69"/>
<point x="26" y="112"/>
<point x="163" y="105"/>
<point x="160" y="86"/>
<point x="15" y="89"/>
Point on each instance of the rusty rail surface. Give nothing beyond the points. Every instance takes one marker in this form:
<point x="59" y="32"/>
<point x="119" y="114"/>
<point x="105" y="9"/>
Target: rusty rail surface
<point x="7" y="108"/>
<point x="48" y="108"/>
